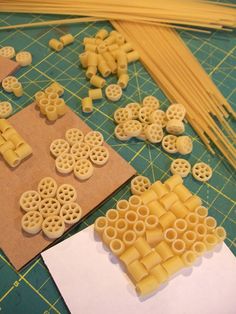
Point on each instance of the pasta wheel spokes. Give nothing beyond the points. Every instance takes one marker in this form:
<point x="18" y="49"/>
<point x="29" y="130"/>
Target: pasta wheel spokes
<point x="59" y="146"/>
<point x="154" y="133"/>
<point x="74" y="135"/>
<point x="122" y="115"/>
<point x="49" y="207"/>
<point x="7" y="52"/>
<point x="152" y="102"/>
<point x="140" y="184"/>
<point x="30" y="200"/>
<point x="144" y="114"/>
<point x="65" y="163"/>
<point x="134" y="107"/>
<point x="31" y="222"/>
<point x="132" y="128"/>
<point x="5" y="109"/>
<point x="66" y="193"/>
<point x="83" y="169"/>
<point x="176" y="111"/>
<point x="181" y="167"/>
<point x="99" y="155"/>
<point x="71" y="213"/>
<point x="80" y="150"/>
<point x="169" y="144"/>
<point x="120" y="133"/>
<point x="47" y="187"/>
<point x="94" y="138"/>
<point x="113" y="92"/>
<point x="53" y="227"/>
<point x="159" y="117"/>
<point x="202" y="172"/>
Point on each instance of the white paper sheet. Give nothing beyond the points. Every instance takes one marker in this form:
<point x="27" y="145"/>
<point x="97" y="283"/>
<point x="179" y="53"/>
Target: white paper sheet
<point x="91" y="281"/>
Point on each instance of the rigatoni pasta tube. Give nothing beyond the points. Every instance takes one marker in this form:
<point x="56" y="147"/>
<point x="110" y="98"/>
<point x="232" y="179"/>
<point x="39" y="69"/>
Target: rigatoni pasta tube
<point x="67" y="39"/>
<point x="51" y="113"/>
<point x="11" y="158"/>
<point x="199" y="248"/>
<point x="164" y="250"/>
<point x="103" y="67"/>
<point x="142" y="212"/>
<point x="147" y="285"/>
<point x="139" y="228"/>
<point x="123" y="80"/>
<point x="8" y="133"/>
<point x="150" y="260"/>
<point x="210" y="241"/>
<point x="109" y="234"/>
<point x="178" y="246"/>
<point x="17" y="89"/>
<point x="159" y="273"/>
<point x="179" y="209"/>
<point x="90" y="47"/>
<point x="83" y="58"/>
<point x="202" y="213"/>
<point x="148" y="196"/>
<point x="131" y="217"/>
<point x="173" y="181"/>
<point x="155" y="208"/>
<point x="100" y="224"/>
<point x="220" y="233"/>
<point x="60" y="107"/>
<point x="92" y="59"/>
<point x="121" y="226"/>
<point x="87" y="105"/>
<point x="168" y="200"/>
<point x="2" y="141"/>
<point x="122" y="206"/>
<point x="189" y="258"/>
<point x="97" y="81"/>
<point x="193" y="202"/>
<point x="189" y="237"/>
<point x="101" y="34"/>
<point x="112" y="215"/>
<point x="91" y="71"/>
<point x="142" y="246"/>
<point x="192" y="220"/>
<point x="117" y="247"/>
<point x="55" y="44"/>
<point x="110" y="61"/>
<point x="132" y="56"/>
<point x="167" y="220"/>
<point x="159" y="188"/>
<point x="180" y="225"/>
<point x="200" y="230"/>
<point x="154" y="236"/>
<point x="170" y="235"/>
<point x="137" y="270"/>
<point x="129" y="255"/>
<point x="151" y="222"/>
<point x="58" y="88"/>
<point x="210" y="223"/>
<point x="134" y="202"/>
<point x="7" y="145"/>
<point x="4" y="125"/>
<point x="173" y="265"/>
<point x="95" y="93"/>
<point x="182" y="192"/>
<point x="129" y="237"/>
<point x="23" y="151"/>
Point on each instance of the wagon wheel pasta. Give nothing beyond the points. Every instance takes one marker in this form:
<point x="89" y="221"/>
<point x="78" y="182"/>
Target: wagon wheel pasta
<point x="144" y="114"/>
<point x="80" y="150"/>
<point x="31" y="222"/>
<point x="65" y="163"/>
<point x="99" y="155"/>
<point x="113" y="92"/>
<point x="30" y="200"/>
<point x="175" y="127"/>
<point x="120" y="133"/>
<point x="181" y="167"/>
<point x="169" y="144"/>
<point x="59" y="146"/>
<point x="24" y="58"/>
<point x="7" y="52"/>
<point x="152" y="102"/>
<point x="74" y="135"/>
<point x="154" y="133"/>
<point x="66" y="193"/>
<point x="202" y="172"/>
<point x="5" y="109"/>
<point x="94" y="138"/>
<point x="176" y="111"/>
<point x="132" y="128"/>
<point x="139" y="185"/>
<point x="71" y="213"/>
<point x="49" y="207"/>
<point x="184" y="145"/>
<point x="53" y="227"/>
<point x="83" y="169"/>
<point x="47" y="187"/>
<point x="122" y="115"/>
<point x="158" y="116"/>
<point x="134" y="107"/>
<point x="7" y="83"/>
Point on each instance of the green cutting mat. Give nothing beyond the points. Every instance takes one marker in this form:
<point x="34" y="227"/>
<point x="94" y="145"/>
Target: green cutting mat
<point x="32" y="290"/>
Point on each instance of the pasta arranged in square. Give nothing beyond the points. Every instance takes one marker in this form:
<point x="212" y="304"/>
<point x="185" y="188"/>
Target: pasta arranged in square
<point x="158" y="231"/>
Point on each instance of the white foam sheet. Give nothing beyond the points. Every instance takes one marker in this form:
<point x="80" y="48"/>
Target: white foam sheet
<point x="91" y="281"/>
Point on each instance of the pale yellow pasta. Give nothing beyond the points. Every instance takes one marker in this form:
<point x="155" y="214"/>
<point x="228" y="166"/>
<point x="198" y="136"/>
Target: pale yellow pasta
<point x="137" y="270"/>
<point x="65" y="163"/>
<point x="139" y="228"/>
<point x="103" y="67"/>
<point x="154" y="236"/>
<point x="24" y="58"/>
<point x="181" y="167"/>
<point x="31" y="222"/>
<point x="130" y="255"/>
<point x="169" y="144"/>
<point x="17" y="89"/>
<point x="167" y="220"/>
<point x="159" y="273"/>
<point x="127" y="47"/>
<point x="52" y="97"/>
<point x="175" y="127"/>
<point x="49" y="207"/>
<point x="210" y="241"/>
<point x="220" y="233"/>
<point x="189" y="258"/>
<point x="199" y="248"/>
<point x="47" y="187"/>
<point x="51" y="113"/>
<point x="176" y="111"/>
<point x="97" y="81"/>
<point x="113" y="92"/>
<point x="87" y="105"/>
<point x="168" y="200"/>
<point x="179" y="209"/>
<point x="134" y="202"/>
<point x="192" y="220"/>
<point x="90" y="47"/>
<point x="193" y="202"/>
<point x="91" y="71"/>
<point x="83" y="58"/>
<point x="24" y="150"/>
<point x="117" y="247"/>
<point x="112" y="215"/>
<point x="99" y="155"/>
<point x="132" y="56"/>
<point x="66" y="193"/>
<point x="142" y="212"/>
<point x="5" y="109"/>
<point x="182" y="192"/>
<point x="4" y="125"/>
<point x="123" y="80"/>
<point x="200" y="230"/>
<point x="71" y="213"/>
<point x="80" y="150"/>
<point x="140" y="184"/>
<point x="147" y="285"/>
<point x="110" y="61"/>
<point x="110" y="39"/>
<point x="148" y="196"/>
<point x="129" y="237"/>
<point x="30" y="200"/>
<point x="17" y="140"/>
<point x="121" y="226"/>
<point x="2" y="141"/>
<point x="151" y="222"/>
<point x="122" y="206"/>
<point x="102" y="34"/>
<point x="189" y="237"/>
<point x="8" y="133"/>
<point x="109" y="234"/>
<point x="83" y="169"/>
<point x="39" y="95"/>
<point x="210" y="223"/>
<point x="11" y="158"/>
<point x="142" y="246"/>
<point x="131" y="217"/>
<point x="102" y="47"/>
<point x="53" y="227"/>
<point x="159" y="188"/>
<point x="7" y="145"/>
<point x="202" y="212"/>
<point x="89" y="40"/>
<point x="178" y="246"/>
<point x="170" y="235"/>
<point x="92" y="59"/>
<point x="173" y="265"/>
<point x="184" y="145"/>
<point x="58" y="88"/>
<point x="67" y="39"/>
<point x="95" y="94"/>
<point x="202" y="172"/>
<point x="55" y="44"/>
<point x="100" y="225"/>
<point x="151" y="260"/>
<point x="180" y="225"/>
<point x="60" y="106"/>
<point x="155" y="208"/>
<point x="164" y="250"/>
<point x="121" y="59"/>
<point x="173" y="181"/>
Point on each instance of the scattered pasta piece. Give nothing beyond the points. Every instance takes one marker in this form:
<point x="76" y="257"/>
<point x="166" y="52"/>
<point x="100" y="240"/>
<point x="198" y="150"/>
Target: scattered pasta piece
<point x="17" y="89"/>
<point x="5" y="109"/>
<point x="59" y="146"/>
<point x="66" y="193"/>
<point x="152" y="102"/>
<point x="158" y="116"/>
<point x="181" y="167"/>
<point x="65" y="163"/>
<point x="30" y="200"/>
<point x="120" y="133"/>
<point x="113" y="92"/>
<point x="132" y="128"/>
<point x="31" y="222"/>
<point x="47" y="187"/>
<point x="202" y="172"/>
<point x="121" y="115"/>
<point x="7" y="52"/>
<point x="176" y="111"/>
<point x="144" y="114"/>
<point x="24" y="58"/>
<point x="134" y="107"/>
<point x="67" y="39"/>
<point x="184" y="145"/>
<point x="175" y="127"/>
<point x="53" y="227"/>
<point x="49" y="207"/>
<point x="71" y="213"/>
<point x="139" y="185"/>
<point x="169" y="144"/>
<point x="94" y="138"/>
<point x="7" y="83"/>
<point x="154" y="133"/>
<point x="74" y="135"/>
<point x="83" y="169"/>
<point x="55" y="45"/>
<point x="99" y="155"/>
<point x="80" y="150"/>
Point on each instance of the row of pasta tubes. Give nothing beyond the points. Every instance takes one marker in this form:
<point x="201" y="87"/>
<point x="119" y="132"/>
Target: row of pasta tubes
<point x="13" y="148"/>
<point x="159" y="232"/>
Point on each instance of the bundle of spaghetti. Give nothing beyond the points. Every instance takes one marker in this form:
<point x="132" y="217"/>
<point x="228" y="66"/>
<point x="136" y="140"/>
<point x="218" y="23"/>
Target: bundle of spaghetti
<point x="194" y="13"/>
<point x="183" y="80"/>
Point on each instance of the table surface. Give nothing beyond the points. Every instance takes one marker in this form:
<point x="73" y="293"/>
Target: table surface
<point x="32" y="290"/>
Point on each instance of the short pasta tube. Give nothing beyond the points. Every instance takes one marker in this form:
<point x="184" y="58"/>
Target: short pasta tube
<point x="167" y="220"/>
<point x="137" y="270"/>
<point x="109" y="234"/>
<point x="182" y="192"/>
<point x="150" y="260"/>
<point x="87" y="105"/>
<point x="129" y="237"/>
<point x="142" y="212"/>
<point x="173" y="265"/>
<point x="180" y="225"/>
<point x="122" y="206"/>
<point x="179" y="209"/>
<point x="159" y="273"/>
<point x="164" y="250"/>
<point x="117" y="247"/>
<point x="134" y="202"/>
<point x="178" y="246"/>
<point x="11" y="158"/>
<point x="188" y="258"/>
<point x="210" y="241"/>
<point x="168" y="200"/>
<point x="147" y="285"/>
<point x="159" y="188"/>
<point x="131" y="217"/>
<point x="220" y="233"/>
<point x="199" y="248"/>
<point x="151" y="222"/>
<point x="148" y="196"/>
<point x="193" y="202"/>
<point x="121" y="226"/>
<point x="142" y="246"/>
<point x="173" y="181"/>
<point x="155" y="208"/>
<point x="139" y="228"/>
<point x="154" y="236"/>
<point x="23" y="151"/>
<point x="100" y="224"/>
<point x="112" y="215"/>
<point x="130" y="255"/>
<point x="170" y="235"/>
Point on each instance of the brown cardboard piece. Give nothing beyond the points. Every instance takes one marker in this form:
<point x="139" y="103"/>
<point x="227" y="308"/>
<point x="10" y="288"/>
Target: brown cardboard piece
<point x="19" y="247"/>
<point x="7" y="67"/>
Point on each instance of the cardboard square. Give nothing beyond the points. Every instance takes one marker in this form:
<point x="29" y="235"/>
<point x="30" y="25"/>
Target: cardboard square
<point x="91" y="280"/>
<point x="21" y="248"/>
<point x="7" y="67"/>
